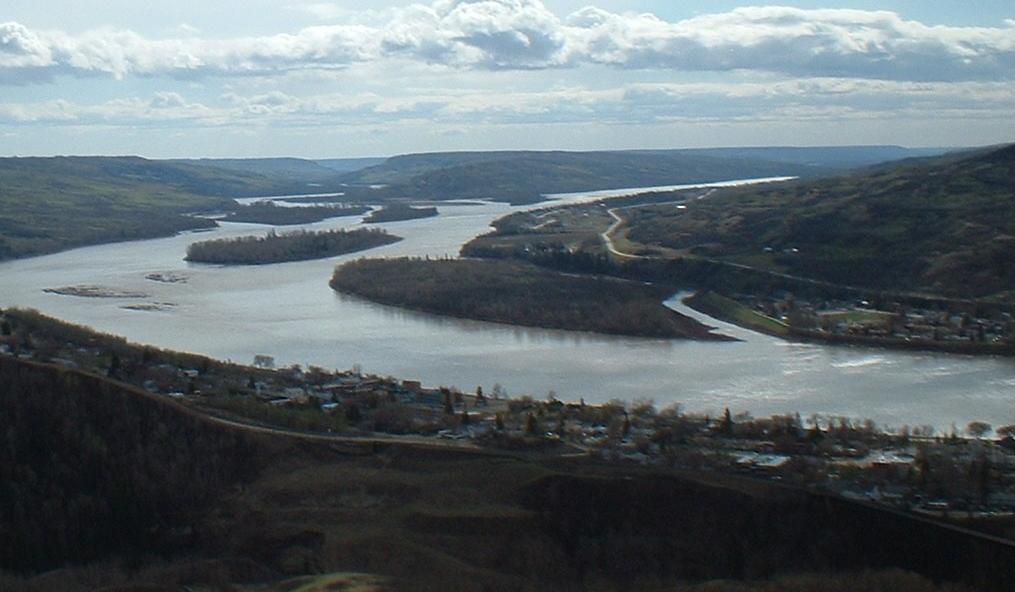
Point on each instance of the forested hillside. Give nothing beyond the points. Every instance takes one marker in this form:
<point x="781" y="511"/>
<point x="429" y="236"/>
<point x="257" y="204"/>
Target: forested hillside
<point x="523" y="177"/>
<point x="943" y="225"/>
<point x="90" y="468"/>
<point x="49" y="204"/>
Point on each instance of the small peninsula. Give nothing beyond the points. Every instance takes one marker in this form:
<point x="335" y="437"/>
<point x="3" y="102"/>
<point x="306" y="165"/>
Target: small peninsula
<point x="519" y="294"/>
<point x="280" y="248"/>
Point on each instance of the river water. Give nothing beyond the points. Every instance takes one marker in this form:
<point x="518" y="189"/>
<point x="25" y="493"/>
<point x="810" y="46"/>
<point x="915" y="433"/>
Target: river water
<point x="288" y="311"/>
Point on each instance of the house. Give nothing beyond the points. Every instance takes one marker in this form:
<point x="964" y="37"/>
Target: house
<point x="296" y="395"/>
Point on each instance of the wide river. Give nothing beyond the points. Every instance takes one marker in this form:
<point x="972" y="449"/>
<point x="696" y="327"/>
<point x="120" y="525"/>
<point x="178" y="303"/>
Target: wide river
<point x="288" y="311"/>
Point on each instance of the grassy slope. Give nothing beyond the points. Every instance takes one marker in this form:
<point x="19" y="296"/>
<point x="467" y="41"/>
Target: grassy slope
<point x="732" y="311"/>
<point x="517" y="293"/>
<point x="48" y="204"/>
<point x="944" y="225"/>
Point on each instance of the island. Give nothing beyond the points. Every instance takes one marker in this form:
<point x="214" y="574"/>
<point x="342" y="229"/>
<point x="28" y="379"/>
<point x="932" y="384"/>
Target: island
<point x="266" y="212"/>
<point x="397" y="212"/>
<point x="279" y="248"/>
<point x="518" y="293"/>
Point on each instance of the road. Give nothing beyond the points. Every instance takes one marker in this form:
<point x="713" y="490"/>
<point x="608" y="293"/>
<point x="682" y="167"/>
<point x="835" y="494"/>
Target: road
<point x="607" y="237"/>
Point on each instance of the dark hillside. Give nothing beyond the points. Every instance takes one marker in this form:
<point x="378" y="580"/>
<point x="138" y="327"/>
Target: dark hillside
<point x="90" y="468"/>
<point x="656" y="527"/>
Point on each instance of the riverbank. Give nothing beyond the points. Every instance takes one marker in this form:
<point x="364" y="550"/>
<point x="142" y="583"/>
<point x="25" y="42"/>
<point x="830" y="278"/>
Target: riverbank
<point x="732" y="311"/>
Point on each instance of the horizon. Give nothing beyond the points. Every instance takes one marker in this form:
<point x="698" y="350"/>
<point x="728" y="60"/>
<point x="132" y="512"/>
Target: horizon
<point x="549" y="150"/>
<point x="306" y="78"/>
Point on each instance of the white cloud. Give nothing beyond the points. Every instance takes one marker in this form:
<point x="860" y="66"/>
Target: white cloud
<point x="524" y="34"/>
<point x="22" y="48"/>
<point x="797" y="42"/>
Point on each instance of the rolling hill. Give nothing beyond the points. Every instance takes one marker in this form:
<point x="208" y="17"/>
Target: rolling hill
<point x="523" y="177"/>
<point x="942" y="225"/>
<point x="49" y="204"/>
<point x="297" y="171"/>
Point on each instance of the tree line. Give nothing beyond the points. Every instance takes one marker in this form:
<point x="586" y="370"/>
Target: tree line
<point x="278" y="248"/>
<point x="517" y="293"/>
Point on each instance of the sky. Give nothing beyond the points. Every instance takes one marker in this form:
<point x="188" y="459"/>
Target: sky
<point x="318" y="79"/>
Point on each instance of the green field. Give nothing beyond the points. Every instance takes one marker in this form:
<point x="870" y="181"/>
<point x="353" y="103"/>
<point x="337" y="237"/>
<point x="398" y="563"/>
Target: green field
<point x="732" y="311"/>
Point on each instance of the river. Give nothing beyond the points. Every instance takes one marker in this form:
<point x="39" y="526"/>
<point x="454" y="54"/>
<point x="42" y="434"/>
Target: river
<point x="288" y="311"/>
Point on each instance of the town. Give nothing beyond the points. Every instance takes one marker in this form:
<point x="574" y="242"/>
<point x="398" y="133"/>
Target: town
<point x="890" y="321"/>
<point x="960" y="474"/>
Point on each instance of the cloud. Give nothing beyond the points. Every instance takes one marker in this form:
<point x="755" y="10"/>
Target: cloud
<point x="495" y="34"/>
<point x="797" y="42"/>
<point x="22" y="48"/>
<point x="524" y="34"/>
<point x="632" y="104"/>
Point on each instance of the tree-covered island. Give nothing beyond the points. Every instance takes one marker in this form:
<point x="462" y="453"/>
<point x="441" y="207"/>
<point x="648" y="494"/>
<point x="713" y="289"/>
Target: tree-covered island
<point x="266" y="212"/>
<point x="279" y="248"/>
<point x="397" y="212"/>
<point x="518" y="293"/>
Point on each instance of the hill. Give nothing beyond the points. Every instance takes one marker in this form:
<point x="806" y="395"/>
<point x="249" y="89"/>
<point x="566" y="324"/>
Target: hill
<point x="96" y="471"/>
<point x="92" y="468"/>
<point x="297" y="170"/>
<point x="348" y="165"/>
<point x="49" y="204"/>
<point x="943" y="225"/>
<point x="523" y="177"/>
<point x="837" y="157"/>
